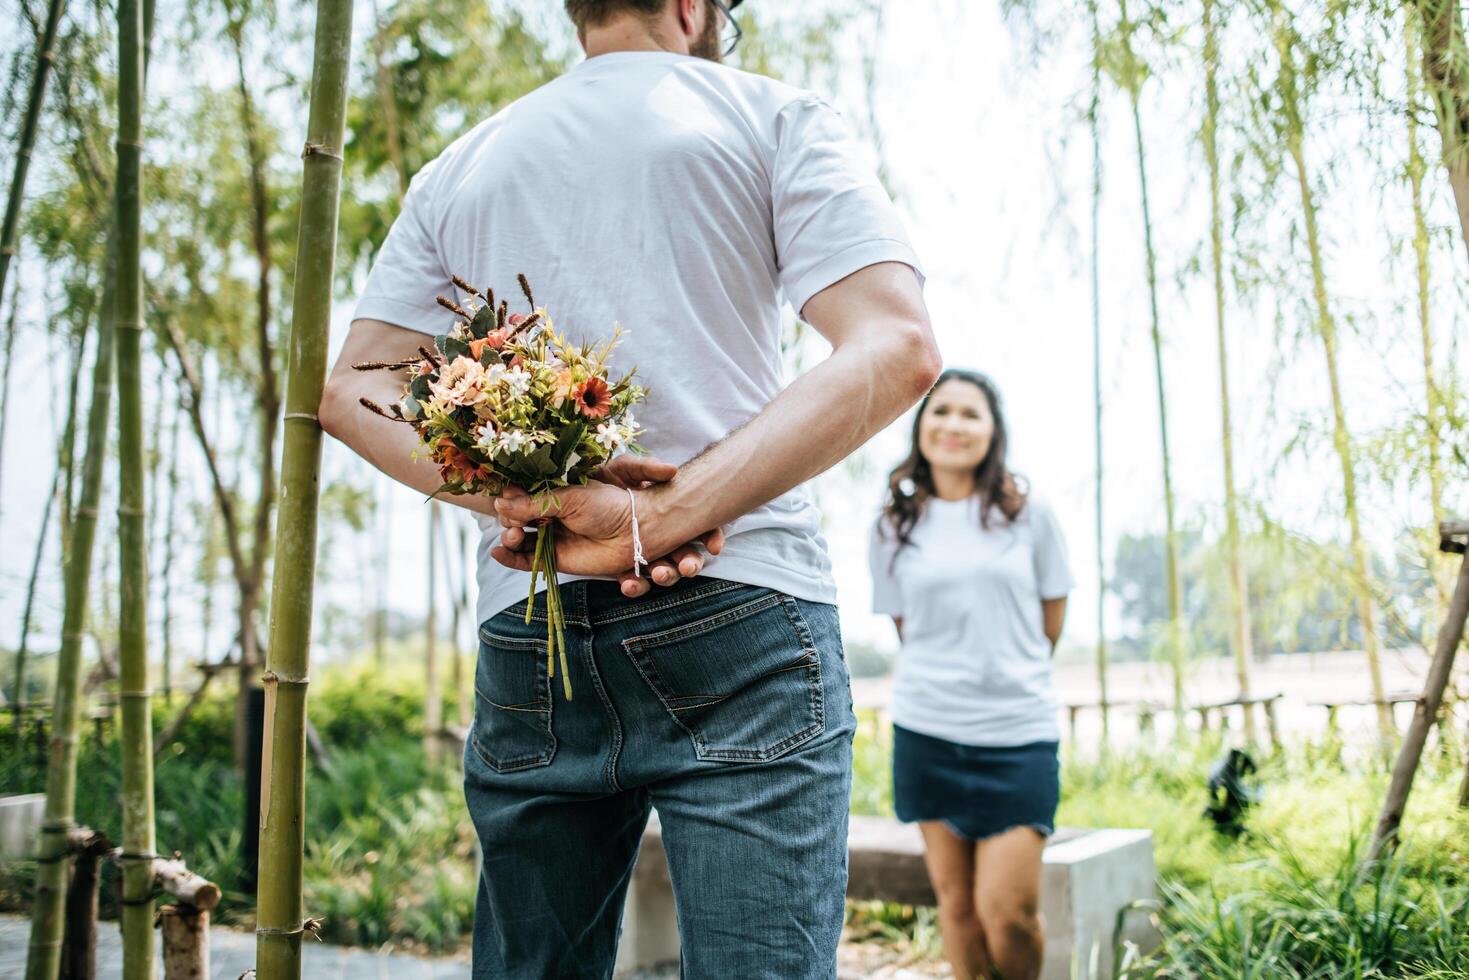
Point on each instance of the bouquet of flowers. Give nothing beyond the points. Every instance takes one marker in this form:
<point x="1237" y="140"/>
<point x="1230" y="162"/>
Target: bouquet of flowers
<point x="503" y="399"/>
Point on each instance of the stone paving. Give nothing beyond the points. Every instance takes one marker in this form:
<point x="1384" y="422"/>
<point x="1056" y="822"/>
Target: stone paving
<point x="232" y="951"/>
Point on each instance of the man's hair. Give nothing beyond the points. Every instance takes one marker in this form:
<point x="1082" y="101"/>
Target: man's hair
<point x="592" y="13"/>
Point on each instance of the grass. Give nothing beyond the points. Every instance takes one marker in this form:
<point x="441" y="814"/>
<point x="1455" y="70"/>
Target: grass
<point x="391" y="854"/>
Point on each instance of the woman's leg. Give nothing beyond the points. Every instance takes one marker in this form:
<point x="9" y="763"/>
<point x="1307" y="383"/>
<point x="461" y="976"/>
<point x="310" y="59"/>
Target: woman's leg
<point x="1007" y="896"/>
<point x="950" y="860"/>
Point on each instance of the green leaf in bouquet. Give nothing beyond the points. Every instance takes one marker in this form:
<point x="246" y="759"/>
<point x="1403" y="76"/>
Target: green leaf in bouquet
<point x="568" y="440"/>
<point x="452" y="347"/>
<point x="483" y="322"/>
<point x="541" y="464"/>
<point x="451" y="488"/>
<point x="418" y="388"/>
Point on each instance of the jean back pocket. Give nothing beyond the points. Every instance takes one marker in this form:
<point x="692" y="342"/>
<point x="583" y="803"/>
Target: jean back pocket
<point x="744" y="680"/>
<point x="512" y="712"/>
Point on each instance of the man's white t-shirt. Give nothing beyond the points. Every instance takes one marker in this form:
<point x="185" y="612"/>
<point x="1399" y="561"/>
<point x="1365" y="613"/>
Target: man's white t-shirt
<point x="682" y="199"/>
<point x="975" y="664"/>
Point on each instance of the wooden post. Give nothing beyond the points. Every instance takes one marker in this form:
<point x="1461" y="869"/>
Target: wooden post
<point x="185" y="926"/>
<point x="1272" y="724"/>
<point x="185" y="942"/>
<point x="79" y="939"/>
<point x="1428" y="704"/>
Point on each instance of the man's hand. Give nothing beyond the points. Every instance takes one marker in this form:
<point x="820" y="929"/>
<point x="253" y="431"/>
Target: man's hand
<point x="596" y="533"/>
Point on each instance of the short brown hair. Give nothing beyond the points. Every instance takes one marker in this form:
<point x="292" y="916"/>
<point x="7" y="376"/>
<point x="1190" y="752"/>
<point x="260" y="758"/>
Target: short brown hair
<point x="591" y="13"/>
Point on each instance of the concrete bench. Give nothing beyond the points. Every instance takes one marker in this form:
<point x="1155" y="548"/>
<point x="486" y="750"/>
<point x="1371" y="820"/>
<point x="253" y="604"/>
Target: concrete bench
<point x="20" y="825"/>
<point x="1089" y="878"/>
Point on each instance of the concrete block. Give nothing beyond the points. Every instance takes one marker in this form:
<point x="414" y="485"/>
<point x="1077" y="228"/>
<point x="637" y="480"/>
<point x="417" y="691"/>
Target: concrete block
<point x="20" y="825"/>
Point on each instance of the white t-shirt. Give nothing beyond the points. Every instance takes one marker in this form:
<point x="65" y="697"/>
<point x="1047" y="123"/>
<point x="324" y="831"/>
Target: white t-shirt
<point x="682" y="199"/>
<point x="975" y="664"/>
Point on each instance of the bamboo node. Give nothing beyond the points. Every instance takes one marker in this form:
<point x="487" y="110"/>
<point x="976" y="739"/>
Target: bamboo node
<point x="305" y="416"/>
<point x="309" y="924"/>
<point x="131" y="511"/>
<point x="319" y="150"/>
<point x="142" y="695"/>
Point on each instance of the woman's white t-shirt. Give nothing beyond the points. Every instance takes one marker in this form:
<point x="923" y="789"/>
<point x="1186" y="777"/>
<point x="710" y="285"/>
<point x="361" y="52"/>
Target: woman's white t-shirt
<point x="975" y="664"/>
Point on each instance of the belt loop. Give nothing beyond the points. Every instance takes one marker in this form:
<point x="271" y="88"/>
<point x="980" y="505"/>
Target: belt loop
<point x="582" y="612"/>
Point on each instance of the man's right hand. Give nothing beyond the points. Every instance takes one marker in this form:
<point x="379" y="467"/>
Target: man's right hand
<point x="634" y="473"/>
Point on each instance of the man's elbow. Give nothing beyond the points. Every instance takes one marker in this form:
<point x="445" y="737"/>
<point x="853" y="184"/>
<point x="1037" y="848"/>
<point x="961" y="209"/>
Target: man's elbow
<point x="335" y="404"/>
<point x="922" y="362"/>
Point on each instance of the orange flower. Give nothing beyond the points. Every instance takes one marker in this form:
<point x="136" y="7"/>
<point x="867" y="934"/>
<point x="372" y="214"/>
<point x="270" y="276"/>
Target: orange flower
<point x="593" y="398"/>
<point x="494" y="340"/>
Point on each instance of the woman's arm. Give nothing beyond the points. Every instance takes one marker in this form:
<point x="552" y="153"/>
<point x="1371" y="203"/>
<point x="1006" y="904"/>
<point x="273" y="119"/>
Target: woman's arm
<point x="1053" y="617"/>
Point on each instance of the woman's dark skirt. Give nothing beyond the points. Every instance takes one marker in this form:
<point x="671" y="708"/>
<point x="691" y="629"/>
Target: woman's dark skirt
<point x="978" y="790"/>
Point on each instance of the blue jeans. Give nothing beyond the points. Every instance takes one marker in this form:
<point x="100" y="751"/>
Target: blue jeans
<point x="725" y="706"/>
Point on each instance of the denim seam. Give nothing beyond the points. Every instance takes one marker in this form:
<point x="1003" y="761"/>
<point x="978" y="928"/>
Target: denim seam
<point x="609" y="767"/>
<point x="808" y="643"/>
<point x="672" y="602"/>
<point x="512" y="642"/>
<point x="641" y="607"/>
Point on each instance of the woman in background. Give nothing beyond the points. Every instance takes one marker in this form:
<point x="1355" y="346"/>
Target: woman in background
<point x="973" y="570"/>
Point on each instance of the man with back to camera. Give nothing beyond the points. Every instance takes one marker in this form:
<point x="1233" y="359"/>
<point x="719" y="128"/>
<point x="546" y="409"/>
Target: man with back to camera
<point x="654" y="186"/>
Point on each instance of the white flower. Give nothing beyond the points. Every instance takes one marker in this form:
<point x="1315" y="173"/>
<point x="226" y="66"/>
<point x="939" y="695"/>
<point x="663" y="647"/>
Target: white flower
<point x="486" y="436"/>
<point x="409" y="407"/>
<point x="609" y="436"/>
<point x="629" y="424"/>
<point x="513" y="440"/>
<point x="518" y="379"/>
<point x="494" y="374"/>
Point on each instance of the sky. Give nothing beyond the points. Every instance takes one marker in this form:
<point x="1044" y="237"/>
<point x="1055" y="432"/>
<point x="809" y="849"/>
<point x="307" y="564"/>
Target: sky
<point x="990" y="163"/>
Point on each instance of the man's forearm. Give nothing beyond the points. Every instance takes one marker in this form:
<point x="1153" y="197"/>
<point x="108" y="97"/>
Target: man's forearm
<point x="820" y="419"/>
<point x="386" y="444"/>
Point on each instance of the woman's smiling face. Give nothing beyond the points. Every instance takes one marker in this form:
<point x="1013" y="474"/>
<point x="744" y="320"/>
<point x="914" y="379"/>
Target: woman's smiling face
<point x="957" y="427"/>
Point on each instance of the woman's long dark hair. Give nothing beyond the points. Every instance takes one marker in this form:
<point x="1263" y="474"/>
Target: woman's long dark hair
<point x="910" y="485"/>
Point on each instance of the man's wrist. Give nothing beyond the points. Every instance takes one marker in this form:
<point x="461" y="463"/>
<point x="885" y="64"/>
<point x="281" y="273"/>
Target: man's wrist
<point x="662" y="518"/>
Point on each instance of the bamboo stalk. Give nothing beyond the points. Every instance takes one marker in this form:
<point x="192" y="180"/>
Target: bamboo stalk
<point x="433" y="704"/>
<point x="1238" y="589"/>
<point x="463" y="679"/>
<point x="23" y="648"/>
<point x="1447" y="76"/>
<point x="1094" y="124"/>
<point x="45" y="60"/>
<point x="43" y="958"/>
<point x="279" y="918"/>
<point x="1175" y="590"/>
<point x="1326" y="330"/>
<point x="133" y="692"/>
<point x="1424" y="715"/>
<point x="267" y="394"/>
<point x="1433" y="414"/>
<point x="5" y="368"/>
<point x="169" y="520"/>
